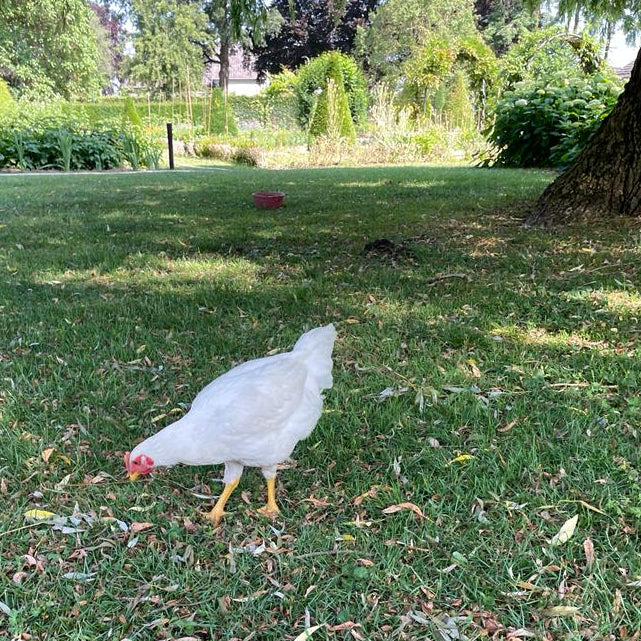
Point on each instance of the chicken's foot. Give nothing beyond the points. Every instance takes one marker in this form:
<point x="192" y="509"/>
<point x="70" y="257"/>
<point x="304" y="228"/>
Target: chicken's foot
<point x="218" y="511"/>
<point x="271" y="509"/>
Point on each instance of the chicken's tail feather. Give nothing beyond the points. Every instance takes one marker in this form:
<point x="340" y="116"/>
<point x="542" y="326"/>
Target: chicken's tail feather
<point x="316" y="347"/>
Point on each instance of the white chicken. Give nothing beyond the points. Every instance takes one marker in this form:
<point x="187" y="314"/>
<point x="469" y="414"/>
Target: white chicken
<point x="251" y="416"/>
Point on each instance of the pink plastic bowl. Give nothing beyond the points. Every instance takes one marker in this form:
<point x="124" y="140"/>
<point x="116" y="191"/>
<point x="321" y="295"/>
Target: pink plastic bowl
<point x="268" y="199"/>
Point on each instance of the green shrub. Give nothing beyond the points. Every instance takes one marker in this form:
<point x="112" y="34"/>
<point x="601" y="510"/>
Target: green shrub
<point x="332" y="117"/>
<point x="221" y="115"/>
<point x="312" y="78"/>
<point x="6" y="98"/>
<point x="546" y="123"/>
<point x="130" y="114"/>
<point x="55" y="148"/>
<point x="36" y="136"/>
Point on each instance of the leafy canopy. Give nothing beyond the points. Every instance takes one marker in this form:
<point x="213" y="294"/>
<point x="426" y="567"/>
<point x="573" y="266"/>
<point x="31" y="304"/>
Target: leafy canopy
<point x="307" y="28"/>
<point x="166" y="53"/>
<point x="49" y="48"/>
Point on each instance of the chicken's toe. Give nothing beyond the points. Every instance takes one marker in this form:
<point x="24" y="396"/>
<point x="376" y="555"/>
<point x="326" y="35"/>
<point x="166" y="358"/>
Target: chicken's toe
<point x="215" y="516"/>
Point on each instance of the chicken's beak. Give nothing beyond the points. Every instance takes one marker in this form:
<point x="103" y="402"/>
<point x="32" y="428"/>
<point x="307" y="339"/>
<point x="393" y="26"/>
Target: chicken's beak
<point x="133" y="476"/>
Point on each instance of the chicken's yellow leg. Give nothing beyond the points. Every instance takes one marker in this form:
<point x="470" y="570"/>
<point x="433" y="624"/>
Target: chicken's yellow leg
<point x="271" y="509"/>
<point x="218" y="511"/>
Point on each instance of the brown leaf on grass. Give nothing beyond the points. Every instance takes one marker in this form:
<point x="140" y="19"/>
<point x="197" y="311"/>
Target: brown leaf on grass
<point x="588" y="548"/>
<point x="476" y="372"/>
<point x="392" y="509"/>
<point x="18" y="576"/>
<point x="366" y="562"/>
<point x="348" y="625"/>
<point x="139" y="527"/>
<point x="370" y="494"/>
<point x="46" y="454"/>
<point x="3" y="487"/>
<point x="317" y="502"/>
<point x="189" y="525"/>
<point x="508" y="427"/>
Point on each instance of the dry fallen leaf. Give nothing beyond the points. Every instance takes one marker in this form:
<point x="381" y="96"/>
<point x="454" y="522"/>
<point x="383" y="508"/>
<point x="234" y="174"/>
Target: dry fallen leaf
<point x="566" y="531"/>
<point x="404" y="506"/>
<point x="588" y="548"/>
<point x="79" y="576"/>
<point x="307" y="633"/>
<point x="46" y="454"/>
<point x="139" y="527"/>
<point x="560" y="611"/>
<point x="508" y="427"/>
<point x="38" y="515"/>
<point x="476" y="372"/>
<point x="520" y="634"/>
<point x="348" y="625"/>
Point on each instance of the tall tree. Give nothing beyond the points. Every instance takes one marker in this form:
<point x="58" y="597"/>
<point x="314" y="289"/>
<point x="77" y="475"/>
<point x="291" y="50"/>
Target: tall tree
<point x="164" y="42"/>
<point x="605" y="179"/>
<point x="399" y="27"/>
<point x="49" y="47"/>
<point x="310" y="27"/>
<point x="232" y="22"/>
<point x="502" y="22"/>
<point x="112" y="39"/>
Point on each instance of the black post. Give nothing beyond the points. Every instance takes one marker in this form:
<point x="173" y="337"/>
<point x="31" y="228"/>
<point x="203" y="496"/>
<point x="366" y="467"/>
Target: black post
<point x="170" y="144"/>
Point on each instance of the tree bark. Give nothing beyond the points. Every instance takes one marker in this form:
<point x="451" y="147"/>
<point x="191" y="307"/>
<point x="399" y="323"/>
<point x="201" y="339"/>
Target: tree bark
<point x="605" y="180"/>
<point x="223" y="74"/>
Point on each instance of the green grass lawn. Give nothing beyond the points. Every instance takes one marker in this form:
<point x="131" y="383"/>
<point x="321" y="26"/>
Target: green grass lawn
<point x="486" y="374"/>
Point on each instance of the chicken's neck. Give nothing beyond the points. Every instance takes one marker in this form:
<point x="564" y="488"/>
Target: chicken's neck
<point x="169" y="446"/>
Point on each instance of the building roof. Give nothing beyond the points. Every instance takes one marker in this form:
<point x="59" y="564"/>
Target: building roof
<point x="237" y="68"/>
<point x="626" y="71"/>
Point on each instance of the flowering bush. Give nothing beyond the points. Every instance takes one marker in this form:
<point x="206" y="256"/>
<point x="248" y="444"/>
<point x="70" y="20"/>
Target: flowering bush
<point x="547" y="122"/>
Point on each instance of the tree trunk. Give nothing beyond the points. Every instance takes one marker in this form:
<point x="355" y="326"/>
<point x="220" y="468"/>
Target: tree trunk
<point x="605" y="180"/>
<point x="608" y="39"/>
<point x="223" y="74"/>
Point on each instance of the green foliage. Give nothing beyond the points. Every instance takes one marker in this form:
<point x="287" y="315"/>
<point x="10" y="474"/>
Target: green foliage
<point x="167" y="57"/>
<point x="49" y="48"/>
<point x="503" y="23"/>
<point x="546" y="123"/>
<point x="450" y="78"/>
<point x="6" y="99"/>
<point x="548" y="51"/>
<point x="221" y="115"/>
<point x="249" y="112"/>
<point x="401" y="27"/>
<point x="312" y="79"/>
<point x="65" y="146"/>
<point x="426" y="69"/>
<point x="44" y="137"/>
<point x="458" y="108"/>
<point x="331" y="117"/>
<point x="130" y="113"/>
<point x="281" y="84"/>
